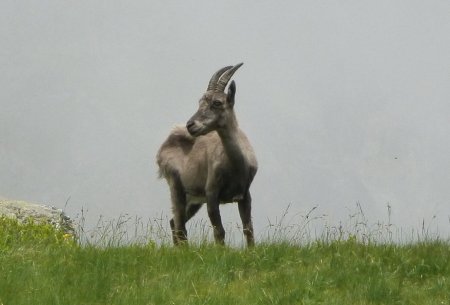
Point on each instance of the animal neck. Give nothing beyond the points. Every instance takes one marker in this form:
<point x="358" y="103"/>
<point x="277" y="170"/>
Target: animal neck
<point x="229" y="136"/>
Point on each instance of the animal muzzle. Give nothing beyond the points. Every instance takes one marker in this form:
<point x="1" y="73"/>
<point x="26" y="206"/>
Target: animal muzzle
<point x="193" y="128"/>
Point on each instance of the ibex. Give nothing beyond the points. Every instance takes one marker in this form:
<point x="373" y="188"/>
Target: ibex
<point x="210" y="160"/>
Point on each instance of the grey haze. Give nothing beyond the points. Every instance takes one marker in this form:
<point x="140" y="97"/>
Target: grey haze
<point x="344" y="101"/>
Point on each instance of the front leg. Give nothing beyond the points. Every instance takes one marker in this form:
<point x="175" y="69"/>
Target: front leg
<point x="245" y="211"/>
<point x="214" y="216"/>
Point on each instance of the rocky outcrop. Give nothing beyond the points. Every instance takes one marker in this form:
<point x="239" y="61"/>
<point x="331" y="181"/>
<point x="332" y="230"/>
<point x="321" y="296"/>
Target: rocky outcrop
<point x="41" y="214"/>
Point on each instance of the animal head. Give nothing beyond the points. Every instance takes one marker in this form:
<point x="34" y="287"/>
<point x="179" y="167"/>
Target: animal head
<point x="215" y="109"/>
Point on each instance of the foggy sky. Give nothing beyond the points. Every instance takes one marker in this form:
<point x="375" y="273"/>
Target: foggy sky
<point x="343" y="101"/>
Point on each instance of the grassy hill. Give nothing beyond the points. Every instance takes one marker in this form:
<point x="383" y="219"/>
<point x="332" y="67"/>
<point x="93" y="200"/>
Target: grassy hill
<point x="39" y="265"/>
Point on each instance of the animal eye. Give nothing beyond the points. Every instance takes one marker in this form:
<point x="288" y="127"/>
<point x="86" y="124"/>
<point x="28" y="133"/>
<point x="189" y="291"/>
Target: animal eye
<point x="217" y="104"/>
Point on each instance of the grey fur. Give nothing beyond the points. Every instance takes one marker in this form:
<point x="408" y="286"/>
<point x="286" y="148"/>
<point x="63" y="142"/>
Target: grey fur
<point x="210" y="160"/>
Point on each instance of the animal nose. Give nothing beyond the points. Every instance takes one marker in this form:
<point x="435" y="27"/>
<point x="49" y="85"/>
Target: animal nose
<point x="190" y="124"/>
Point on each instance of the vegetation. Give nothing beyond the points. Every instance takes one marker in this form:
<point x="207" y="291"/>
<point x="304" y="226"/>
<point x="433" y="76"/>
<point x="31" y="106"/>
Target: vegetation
<point x="40" y="265"/>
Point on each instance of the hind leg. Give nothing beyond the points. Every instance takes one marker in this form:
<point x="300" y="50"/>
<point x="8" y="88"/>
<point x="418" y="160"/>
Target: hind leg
<point x="178" y="222"/>
<point x="191" y="210"/>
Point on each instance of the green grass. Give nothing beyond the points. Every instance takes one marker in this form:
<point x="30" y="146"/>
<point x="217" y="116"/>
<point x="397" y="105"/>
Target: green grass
<point x="39" y="265"/>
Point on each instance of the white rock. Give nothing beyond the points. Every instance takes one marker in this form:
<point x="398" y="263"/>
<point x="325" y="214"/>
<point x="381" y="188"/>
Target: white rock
<point x="22" y="211"/>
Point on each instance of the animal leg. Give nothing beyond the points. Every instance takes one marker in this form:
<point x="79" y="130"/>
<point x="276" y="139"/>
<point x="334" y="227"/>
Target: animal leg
<point x="216" y="221"/>
<point x="245" y="211"/>
<point x="178" y="222"/>
<point x="191" y="210"/>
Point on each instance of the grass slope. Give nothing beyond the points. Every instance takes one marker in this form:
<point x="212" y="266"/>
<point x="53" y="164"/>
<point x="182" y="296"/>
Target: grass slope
<point x="39" y="265"/>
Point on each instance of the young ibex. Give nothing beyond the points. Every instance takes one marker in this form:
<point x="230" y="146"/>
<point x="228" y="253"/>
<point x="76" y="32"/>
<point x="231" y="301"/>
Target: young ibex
<point x="210" y="160"/>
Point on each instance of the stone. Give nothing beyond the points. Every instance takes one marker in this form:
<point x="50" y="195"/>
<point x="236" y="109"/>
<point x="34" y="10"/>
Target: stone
<point x="41" y="214"/>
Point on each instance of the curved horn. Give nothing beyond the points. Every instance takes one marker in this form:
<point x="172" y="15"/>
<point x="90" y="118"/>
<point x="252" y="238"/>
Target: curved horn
<point x="215" y="78"/>
<point x="225" y="78"/>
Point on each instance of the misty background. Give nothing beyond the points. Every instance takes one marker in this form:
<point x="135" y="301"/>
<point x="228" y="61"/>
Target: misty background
<point x="345" y="102"/>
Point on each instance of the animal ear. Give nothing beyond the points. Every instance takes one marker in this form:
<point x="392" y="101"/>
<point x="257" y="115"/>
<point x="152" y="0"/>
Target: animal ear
<point x="231" y="92"/>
